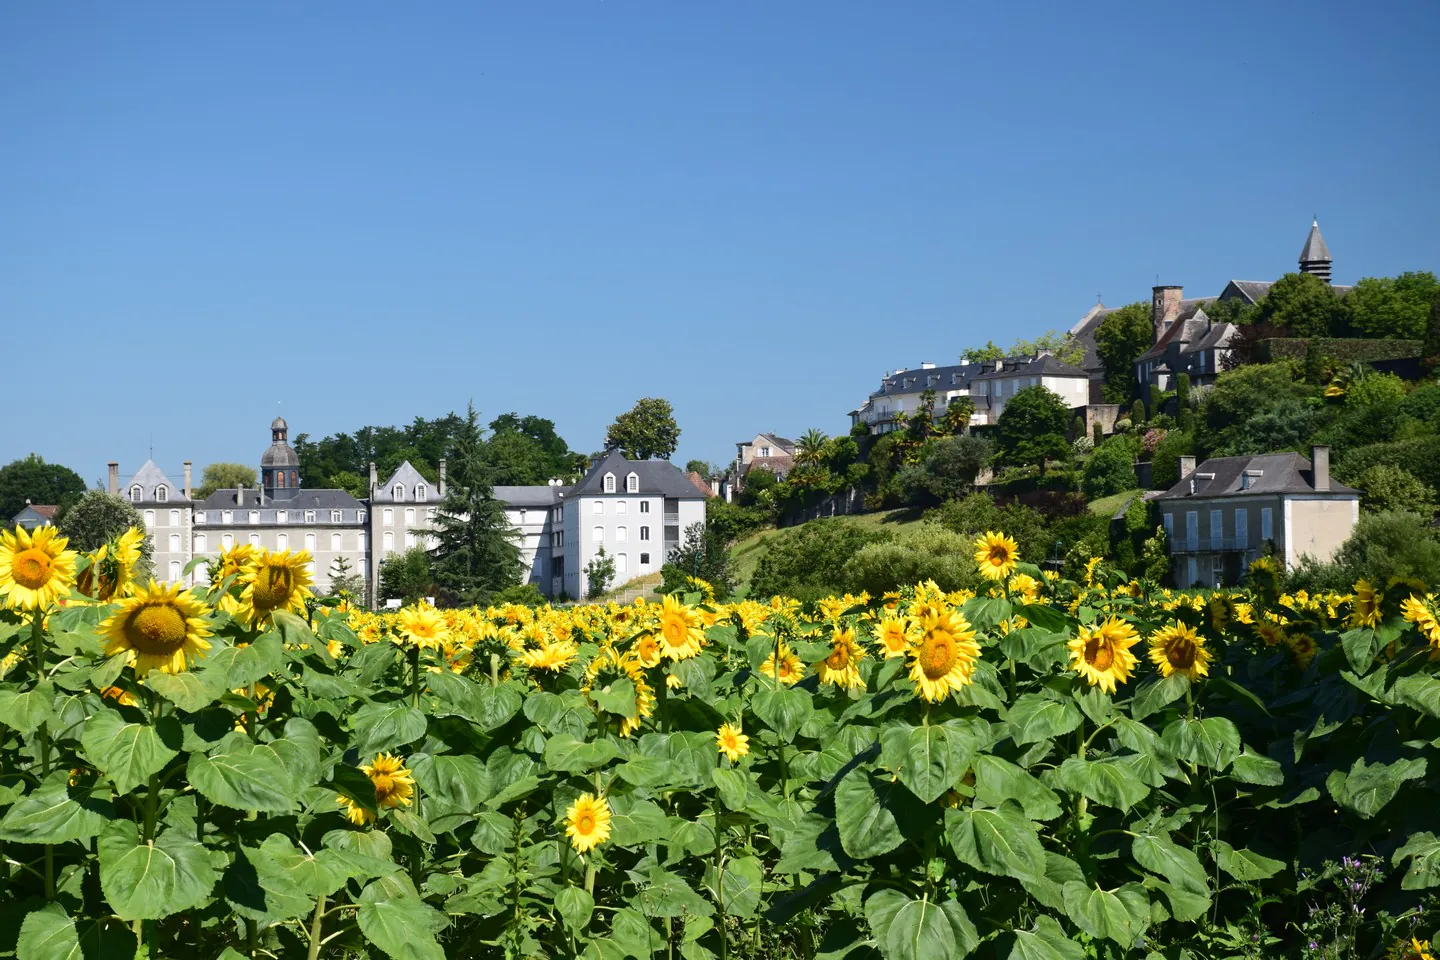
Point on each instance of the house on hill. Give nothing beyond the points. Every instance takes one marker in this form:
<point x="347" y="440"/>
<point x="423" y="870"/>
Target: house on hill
<point x="35" y="515"/>
<point x="768" y="450"/>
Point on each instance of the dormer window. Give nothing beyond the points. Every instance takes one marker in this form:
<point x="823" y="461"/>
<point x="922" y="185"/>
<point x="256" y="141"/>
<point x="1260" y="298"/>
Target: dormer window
<point x="419" y="493"/>
<point x="162" y="493"/>
<point x="609" y="483"/>
<point x="398" y="493"/>
<point x="764" y="451"/>
<point x="632" y="483"/>
<point x="136" y="494"/>
<point x="254" y="516"/>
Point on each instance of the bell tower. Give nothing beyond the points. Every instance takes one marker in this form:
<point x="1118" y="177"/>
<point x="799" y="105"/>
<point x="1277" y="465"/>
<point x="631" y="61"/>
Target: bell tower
<point x="280" y="464"/>
<point x="1315" y="258"/>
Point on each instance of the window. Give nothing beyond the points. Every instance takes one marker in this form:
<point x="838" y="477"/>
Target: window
<point x="280" y="479"/>
<point x="632" y="483"/>
<point x="162" y="493"/>
<point x="672" y="533"/>
<point x="644" y="533"/>
<point x="557" y="538"/>
<point x="597" y="535"/>
<point x="1217" y="527"/>
<point x="227" y="516"/>
<point x="609" y="483"/>
<point x="1169" y="521"/>
<point x="622" y="506"/>
<point x="227" y="541"/>
<point x="336" y="542"/>
<point x="174" y="543"/>
<point x="336" y="516"/>
<point x="359" y="516"/>
<point x="389" y="542"/>
<point x="1192" y="531"/>
<point x="764" y="451"/>
<point x="199" y="516"/>
<point x="430" y="513"/>
<point x="1191" y="569"/>
<point x="174" y="518"/>
<point x="622" y="563"/>
<point x="621" y="534"/>
<point x="282" y="516"/>
<point x="136" y="494"/>
<point x="254" y="517"/>
<point x="409" y="539"/>
<point x="644" y="506"/>
<point x="644" y="560"/>
<point x="388" y="516"/>
<point x="1242" y="527"/>
<point x="254" y="539"/>
<point x="598" y="508"/>
<point x="420" y="493"/>
<point x="1267" y="524"/>
<point x="282" y="541"/>
<point x="309" y="516"/>
<point x="398" y="493"/>
<point x="199" y="543"/>
<point x="149" y="519"/>
<point x="360" y="541"/>
<point x="310" y="542"/>
<point x="409" y="516"/>
<point x="174" y="571"/>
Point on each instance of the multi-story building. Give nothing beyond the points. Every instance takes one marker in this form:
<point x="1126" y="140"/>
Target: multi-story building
<point x="990" y="391"/>
<point x="767" y="451"/>
<point x="1224" y="513"/>
<point x="166" y="509"/>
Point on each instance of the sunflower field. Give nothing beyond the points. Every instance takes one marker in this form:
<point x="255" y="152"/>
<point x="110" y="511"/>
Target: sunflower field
<point x="1048" y="770"/>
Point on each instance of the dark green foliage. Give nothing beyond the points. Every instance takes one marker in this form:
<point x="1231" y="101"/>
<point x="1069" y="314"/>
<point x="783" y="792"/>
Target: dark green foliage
<point x="1137" y="413"/>
<point x="1235" y="311"/>
<point x="1317" y="364"/>
<point x="599" y="574"/>
<point x="1388" y="487"/>
<point x="731" y="521"/>
<point x="1182" y="391"/>
<point x="1245" y="393"/>
<point x="1303" y="305"/>
<point x="1031" y="429"/>
<point x="525" y="451"/>
<point x="759" y="482"/>
<point x="702" y="467"/>
<point x="923" y="552"/>
<point x="1110" y="469"/>
<point x="1336" y="350"/>
<point x="346" y="581"/>
<point x="1423" y="404"/>
<point x="98" y="517"/>
<point x="476" y="552"/>
<point x="1120" y="340"/>
<point x="1394" y="308"/>
<point x="225" y="476"/>
<point x="406" y="576"/>
<point x="805" y="561"/>
<point x="979" y="512"/>
<point x="39" y="482"/>
<point x="704" y="554"/>
<point x="1420" y="456"/>
<point x="526" y="594"/>
<point x="423" y="443"/>
<point x="1430" y="350"/>
<point x="646" y="431"/>
<point x="951" y="465"/>
<point x="1165" y="461"/>
<point x="1097" y="434"/>
<point x="1384" y="545"/>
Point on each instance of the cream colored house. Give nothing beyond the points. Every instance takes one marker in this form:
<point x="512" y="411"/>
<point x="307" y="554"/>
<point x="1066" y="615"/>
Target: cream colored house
<point x="1224" y="513"/>
<point x="992" y="390"/>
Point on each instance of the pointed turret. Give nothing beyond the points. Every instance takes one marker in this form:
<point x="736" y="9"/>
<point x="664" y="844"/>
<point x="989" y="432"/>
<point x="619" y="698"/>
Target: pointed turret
<point x="1315" y="258"/>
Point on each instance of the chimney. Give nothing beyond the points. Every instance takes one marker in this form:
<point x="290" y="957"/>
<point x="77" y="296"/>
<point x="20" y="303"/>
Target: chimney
<point x="372" y="478"/>
<point x="1187" y="467"/>
<point x="1165" y="307"/>
<point x="926" y="365"/>
<point x="113" y="484"/>
<point x="259" y="494"/>
<point x="240" y="495"/>
<point x="187" y="480"/>
<point x="442" y="477"/>
<point x="1320" y="466"/>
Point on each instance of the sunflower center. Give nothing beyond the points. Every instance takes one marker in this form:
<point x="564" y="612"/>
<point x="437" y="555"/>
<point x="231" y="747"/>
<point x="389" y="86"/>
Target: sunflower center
<point x="156" y="629"/>
<point x="1099" y="654"/>
<point x="31" y="568"/>
<point x="273" y="586"/>
<point x="585" y="822"/>
<point x="674" y="631"/>
<point x="839" y="659"/>
<point x="1180" y="653"/>
<point x="937" y="655"/>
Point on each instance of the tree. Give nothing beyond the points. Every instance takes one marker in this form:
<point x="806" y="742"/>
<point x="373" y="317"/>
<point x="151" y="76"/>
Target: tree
<point x="1388" y="487"/>
<point x="760" y="483"/>
<point x="1184" y="415"/>
<point x="952" y="464"/>
<point x="224" y="476"/>
<point x="1238" y="396"/>
<point x="810" y="447"/>
<point x="422" y="442"/>
<point x="345" y="581"/>
<point x="1119" y="341"/>
<point x="38" y="482"/>
<point x="926" y="551"/>
<point x="1031" y="429"/>
<point x="1165" y="461"/>
<point x="1430" y="355"/>
<point x="1063" y="346"/>
<point x="1234" y="310"/>
<point x="1391" y="307"/>
<point x="990" y="352"/>
<point x="646" y="431"/>
<point x="805" y="561"/>
<point x="1302" y="305"/>
<point x="351" y="482"/>
<point x="525" y="451"/>
<point x="702" y="467"/>
<point x="599" y="574"/>
<point x="98" y="517"/>
<point x="705" y="554"/>
<point x="406" y="576"/>
<point x="1110" y="469"/>
<point x="475" y="553"/>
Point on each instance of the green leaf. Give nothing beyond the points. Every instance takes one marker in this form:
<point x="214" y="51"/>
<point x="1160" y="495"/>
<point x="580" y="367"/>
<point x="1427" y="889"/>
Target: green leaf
<point x="148" y="881"/>
<point x="1213" y="742"/>
<point x="190" y="691"/>
<point x="243" y="666"/>
<point x="1155" y="696"/>
<point x="927" y="762"/>
<point x="998" y="780"/>
<point x="1045" y="617"/>
<point x="634" y="821"/>
<point x="985" y="612"/>
<point x="732" y="785"/>
<point x="402" y="926"/>
<point x="1000" y="841"/>
<point x="321" y="872"/>
<point x="783" y="710"/>
<point x="128" y="753"/>
<point x="575" y="907"/>
<point x="1110" y="781"/>
<point x="744" y="883"/>
<point x="1034" y="717"/>
<point x="50" y="934"/>
<point x="1245" y="865"/>
<point x="570" y="754"/>
<point x="617" y="697"/>
<point x="1250" y="767"/>
<point x="668" y="895"/>
<point x="382" y="727"/>
<point x="55" y="813"/>
<point x="921" y="931"/>
<point x="451" y="782"/>
<point x="243" y="776"/>
<point x="1360" y="646"/>
<point x="1368" y="787"/>
<point x="1419" y="691"/>
<point x="26" y="711"/>
<point x="1120" y="915"/>
<point x="1046" y="941"/>
<point x="1424" y="870"/>
<point x="1159" y="854"/>
<point x="867" y="825"/>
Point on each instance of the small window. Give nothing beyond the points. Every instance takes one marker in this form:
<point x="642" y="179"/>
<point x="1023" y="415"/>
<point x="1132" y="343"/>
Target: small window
<point x="398" y="493"/>
<point x="174" y="543"/>
<point x="522" y="514"/>
<point x="621" y="534"/>
<point x="387" y="516"/>
<point x="282" y="541"/>
<point x="162" y="493"/>
<point x="280" y="479"/>
<point x="199" y="543"/>
<point x="644" y="506"/>
<point x="254" y="517"/>
<point x="644" y="560"/>
<point x="420" y="493"/>
<point x="429" y="513"/>
<point x="598" y="508"/>
<point x="282" y="516"/>
<point x="335" y="542"/>
<point x="149" y="519"/>
<point x="632" y="483"/>
<point x="227" y="516"/>
<point x="199" y="516"/>
<point x="309" y="516"/>
<point x="310" y="542"/>
<point x="359" y="516"/>
<point x="622" y="563"/>
<point x="622" y="506"/>
<point x="409" y="516"/>
<point x="254" y="539"/>
<point x="227" y="541"/>
<point x="360" y="541"/>
<point x="597" y="535"/>
<point x="672" y="533"/>
<point x="174" y="571"/>
<point x="336" y="516"/>
<point x="609" y="483"/>
<point x="644" y="533"/>
<point x="136" y="495"/>
<point x="764" y="451"/>
<point x="174" y="518"/>
<point x="1267" y="524"/>
<point x="389" y="541"/>
<point x="409" y="539"/>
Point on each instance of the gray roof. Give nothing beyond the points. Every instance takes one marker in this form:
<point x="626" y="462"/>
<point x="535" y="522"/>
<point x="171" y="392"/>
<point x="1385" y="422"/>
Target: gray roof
<point x="781" y="442"/>
<point x="658" y="478"/>
<point x="1046" y="366"/>
<point x="410" y="477"/>
<point x="150" y="478"/>
<point x="279" y="454"/>
<point x="1315" y="248"/>
<point x="530" y="496"/>
<point x="1251" y="291"/>
<point x="302" y="500"/>
<point x="1271" y="474"/>
<point x="1084" y="334"/>
<point x="917" y="381"/>
<point x="1196" y="332"/>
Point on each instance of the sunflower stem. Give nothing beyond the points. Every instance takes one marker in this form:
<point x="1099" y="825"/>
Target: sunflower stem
<point x="494" y="670"/>
<point x="316" y="926"/>
<point x="720" y="879"/>
<point x="37" y="649"/>
<point x="415" y="675"/>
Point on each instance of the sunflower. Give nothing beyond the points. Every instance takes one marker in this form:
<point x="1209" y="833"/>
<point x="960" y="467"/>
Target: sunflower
<point x="35" y="568"/>
<point x="1221" y="609"/>
<point x="647" y="648"/>
<point x="893" y="635"/>
<point x="394" y="786"/>
<point x="841" y="667"/>
<point x="1179" y="649"/>
<point x="1410" y="948"/>
<point x="790" y="669"/>
<point x="424" y="626"/>
<point x="995" y="554"/>
<point x="1271" y="632"/>
<point x="680" y="634"/>
<point x="731" y="742"/>
<point x="274" y="581"/>
<point x="1365" y="610"/>
<point x="1418" y="612"/>
<point x="160" y="627"/>
<point x="944" y="657"/>
<point x="554" y="656"/>
<point x="587" y="822"/>
<point x="1264" y="565"/>
<point x="112" y="567"/>
<point x="1302" y="648"/>
<point x="1026" y="587"/>
<point x="1090" y="566"/>
<point x="1101" y="654"/>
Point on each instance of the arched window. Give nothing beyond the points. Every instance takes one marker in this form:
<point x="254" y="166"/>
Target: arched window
<point x="136" y="494"/>
<point x="621" y="534"/>
<point x="419" y="493"/>
<point x="609" y="483"/>
<point x="294" y="478"/>
<point x="632" y="483"/>
<point x="162" y="493"/>
<point x="280" y="479"/>
<point x="398" y="494"/>
<point x="597" y="535"/>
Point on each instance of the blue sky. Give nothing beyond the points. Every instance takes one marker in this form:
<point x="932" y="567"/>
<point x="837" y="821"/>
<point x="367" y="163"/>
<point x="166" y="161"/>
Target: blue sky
<point x="364" y="212"/>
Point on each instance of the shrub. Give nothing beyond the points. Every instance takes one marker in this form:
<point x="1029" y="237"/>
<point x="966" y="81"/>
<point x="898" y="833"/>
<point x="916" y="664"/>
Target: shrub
<point x="1165" y="462"/>
<point x="525" y="594"/>
<point x="1387" y="487"/>
<point x="925" y="552"/>
<point x="1392" y="543"/>
<point x="1110" y="469"/>
<point x="98" y="517"/>
<point x="599" y="573"/>
<point x="805" y="561"/>
<point x="951" y="465"/>
<point x="1420" y="456"/>
<point x="979" y="512"/>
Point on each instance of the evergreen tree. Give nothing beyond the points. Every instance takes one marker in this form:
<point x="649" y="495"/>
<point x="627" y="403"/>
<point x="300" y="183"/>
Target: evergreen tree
<point x="1184" y="416"/>
<point x="1430" y="356"/>
<point x="345" y="581"/>
<point x="98" y="517"/>
<point x="1098" y="434"/>
<point x="1137" y="413"/>
<point x="475" y="552"/>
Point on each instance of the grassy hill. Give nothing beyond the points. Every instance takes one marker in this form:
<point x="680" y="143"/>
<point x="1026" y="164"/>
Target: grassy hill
<point x="745" y="556"/>
<point x="1106" y="506"/>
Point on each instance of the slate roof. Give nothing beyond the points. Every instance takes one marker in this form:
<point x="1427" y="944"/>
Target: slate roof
<point x="787" y="445"/>
<point x="1278" y="473"/>
<point x="150" y="477"/>
<point x="657" y="478"/>
<point x="279" y="454"/>
<point x="302" y="500"/>
<point x="1084" y="334"/>
<point x="1046" y="366"/>
<point x="946" y="378"/>
<point x="1315" y="248"/>
<point x="1253" y="291"/>
<point x="540" y="495"/>
<point x="408" y="475"/>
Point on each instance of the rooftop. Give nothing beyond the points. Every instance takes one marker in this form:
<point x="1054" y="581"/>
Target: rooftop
<point x="1269" y="474"/>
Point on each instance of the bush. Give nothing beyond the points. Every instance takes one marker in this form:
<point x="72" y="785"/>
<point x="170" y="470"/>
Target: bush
<point x="1165" y="462"/>
<point x="951" y="465"/>
<point x="925" y="552"/>
<point x="1339" y="350"/>
<point x="1393" y="543"/>
<point x="1420" y="456"/>
<point x="805" y="561"/>
<point x="979" y="512"/>
<point x="599" y="573"/>
<point x="525" y="594"/>
<point x="1387" y="487"/>
<point x="732" y="522"/>
<point x="704" y="554"/>
<point x="1110" y="469"/>
<point x="98" y="517"/>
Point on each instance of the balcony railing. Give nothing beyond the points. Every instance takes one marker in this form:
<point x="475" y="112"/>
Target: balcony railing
<point x="672" y="518"/>
<point x="1211" y="545"/>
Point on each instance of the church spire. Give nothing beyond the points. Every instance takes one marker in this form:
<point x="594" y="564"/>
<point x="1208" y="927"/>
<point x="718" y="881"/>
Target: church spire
<point x="1315" y="258"/>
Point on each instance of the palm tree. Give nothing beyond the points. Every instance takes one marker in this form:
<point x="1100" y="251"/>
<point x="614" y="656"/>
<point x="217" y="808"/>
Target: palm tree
<point x="810" y="447"/>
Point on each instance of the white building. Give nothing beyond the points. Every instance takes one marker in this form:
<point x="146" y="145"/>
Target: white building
<point x="990" y="391"/>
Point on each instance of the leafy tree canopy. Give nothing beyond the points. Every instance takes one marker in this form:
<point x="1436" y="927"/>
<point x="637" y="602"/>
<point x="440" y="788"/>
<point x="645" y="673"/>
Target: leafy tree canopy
<point x="35" y="480"/>
<point x="406" y="576"/>
<point x="1240" y="395"/>
<point x="98" y="517"/>
<point x="1391" y="307"/>
<point x="224" y="476"/>
<point x="1064" y="346"/>
<point x="646" y="431"/>
<point x="1119" y="341"/>
<point x="1031" y="429"/>
<point x="1302" y="305"/>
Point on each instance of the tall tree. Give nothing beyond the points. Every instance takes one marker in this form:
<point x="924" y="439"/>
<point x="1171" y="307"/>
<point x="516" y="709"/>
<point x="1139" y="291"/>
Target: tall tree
<point x="646" y="431"/>
<point x="1031" y="429"/>
<point x="406" y="576"/>
<point x="1063" y="346"/>
<point x="1302" y="305"/>
<point x="98" y="517"/>
<point x="527" y="450"/>
<point x="37" y="481"/>
<point x="810" y="447"/>
<point x="224" y="476"/>
<point x="1120" y="340"/>
<point x="1391" y="307"/>
<point x="476" y="553"/>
